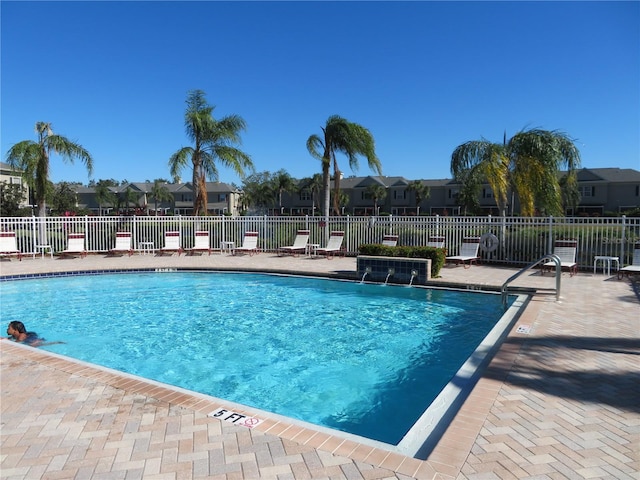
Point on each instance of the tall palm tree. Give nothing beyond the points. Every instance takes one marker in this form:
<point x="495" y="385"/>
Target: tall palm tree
<point x="529" y="163"/>
<point x="213" y="140"/>
<point x="341" y="135"/>
<point x="377" y="193"/>
<point x="420" y="191"/>
<point x="33" y="159"/>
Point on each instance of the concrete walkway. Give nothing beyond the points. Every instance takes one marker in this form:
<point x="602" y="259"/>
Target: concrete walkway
<point x="560" y="399"/>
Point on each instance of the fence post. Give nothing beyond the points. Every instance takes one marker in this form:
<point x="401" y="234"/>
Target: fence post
<point x="623" y="238"/>
<point x="550" y="239"/>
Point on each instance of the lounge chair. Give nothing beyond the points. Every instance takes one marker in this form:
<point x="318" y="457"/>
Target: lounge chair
<point x="299" y="244"/>
<point x="9" y="245"/>
<point x="634" y="268"/>
<point x="75" y="246"/>
<point x="123" y="244"/>
<point x="171" y="243"/>
<point x="334" y="246"/>
<point x="468" y="252"/>
<point x="201" y="242"/>
<point x="566" y="251"/>
<point x="390" y="240"/>
<point x="436" y="242"/>
<point x="249" y="244"/>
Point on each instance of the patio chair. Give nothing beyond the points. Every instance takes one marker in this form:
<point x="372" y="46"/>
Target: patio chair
<point x="334" y="246"/>
<point x="171" y="243"/>
<point x="249" y="244"/>
<point x="75" y="246"/>
<point x="299" y="244"/>
<point x="201" y="242"/>
<point x="468" y="252"/>
<point x="634" y="268"/>
<point x="436" y="242"/>
<point x="390" y="240"/>
<point x="566" y="251"/>
<point x="123" y="244"/>
<point x="9" y="245"/>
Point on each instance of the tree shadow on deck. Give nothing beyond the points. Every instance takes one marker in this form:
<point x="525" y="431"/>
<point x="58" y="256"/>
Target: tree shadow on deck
<point x="585" y="369"/>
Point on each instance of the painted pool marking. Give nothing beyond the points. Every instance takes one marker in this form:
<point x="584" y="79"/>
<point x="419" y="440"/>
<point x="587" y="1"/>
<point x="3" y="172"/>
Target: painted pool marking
<point x="524" y="329"/>
<point x="235" y="418"/>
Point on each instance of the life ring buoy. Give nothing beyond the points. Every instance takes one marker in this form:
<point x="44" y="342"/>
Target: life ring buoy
<point x="489" y="242"/>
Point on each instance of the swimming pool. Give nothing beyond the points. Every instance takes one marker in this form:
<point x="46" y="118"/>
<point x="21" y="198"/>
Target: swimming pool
<point x="364" y="359"/>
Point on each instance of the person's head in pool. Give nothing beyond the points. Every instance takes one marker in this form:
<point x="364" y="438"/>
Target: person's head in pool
<point x="16" y="330"/>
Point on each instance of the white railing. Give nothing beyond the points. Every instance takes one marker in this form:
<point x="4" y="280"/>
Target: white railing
<point x="522" y="240"/>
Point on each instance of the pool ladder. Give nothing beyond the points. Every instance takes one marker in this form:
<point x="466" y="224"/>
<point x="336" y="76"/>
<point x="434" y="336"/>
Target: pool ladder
<point x="505" y="286"/>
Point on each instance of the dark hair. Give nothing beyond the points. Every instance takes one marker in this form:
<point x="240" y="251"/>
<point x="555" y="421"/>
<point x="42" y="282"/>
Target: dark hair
<point x="19" y="326"/>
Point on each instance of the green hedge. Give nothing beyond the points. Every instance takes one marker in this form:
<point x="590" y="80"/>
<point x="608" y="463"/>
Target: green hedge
<point x="437" y="255"/>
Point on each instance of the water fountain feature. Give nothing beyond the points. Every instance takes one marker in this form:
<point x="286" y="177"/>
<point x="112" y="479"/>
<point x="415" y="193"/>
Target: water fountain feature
<point x="414" y="273"/>
<point x="366" y="272"/>
<point x="391" y="272"/>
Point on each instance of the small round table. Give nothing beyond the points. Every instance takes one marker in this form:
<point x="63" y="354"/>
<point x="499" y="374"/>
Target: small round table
<point x="42" y="249"/>
<point x="227" y="247"/>
<point x="146" y="247"/>
<point x="606" y="262"/>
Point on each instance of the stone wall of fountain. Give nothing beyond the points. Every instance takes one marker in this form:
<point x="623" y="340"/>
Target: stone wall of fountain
<point x="412" y="271"/>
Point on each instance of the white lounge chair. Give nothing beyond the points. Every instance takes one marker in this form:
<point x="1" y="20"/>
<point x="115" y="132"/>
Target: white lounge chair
<point x="123" y="244"/>
<point x="249" y="244"/>
<point x="468" y="252"/>
<point x="634" y="268"/>
<point x="75" y="246"/>
<point x="334" y="246"/>
<point x="201" y="242"/>
<point x="390" y="240"/>
<point x="171" y="243"/>
<point x="9" y="245"/>
<point x="566" y="251"/>
<point x="436" y="242"/>
<point x="299" y="244"/>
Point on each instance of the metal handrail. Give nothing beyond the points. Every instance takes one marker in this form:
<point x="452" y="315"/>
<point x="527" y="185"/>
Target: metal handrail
<point x="556" y="260"/>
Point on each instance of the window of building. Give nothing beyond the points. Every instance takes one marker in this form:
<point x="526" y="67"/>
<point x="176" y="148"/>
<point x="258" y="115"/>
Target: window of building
<point x="399" y="194"/>
<point x="487" y="193"/>
<point x="453" y="193"/>
<point x="305" y="195"/>
<point x="222" y="197"/>
<point x="587" y="191"/>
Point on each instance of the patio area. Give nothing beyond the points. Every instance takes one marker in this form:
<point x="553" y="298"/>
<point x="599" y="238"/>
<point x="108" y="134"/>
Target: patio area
<point x="560" y="398"/>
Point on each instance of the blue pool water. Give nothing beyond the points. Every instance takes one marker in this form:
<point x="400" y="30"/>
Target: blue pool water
<point x="337" y="354"/>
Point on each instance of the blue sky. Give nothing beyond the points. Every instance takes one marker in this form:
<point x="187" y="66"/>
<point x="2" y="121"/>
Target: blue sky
<point x="423" y="77"/>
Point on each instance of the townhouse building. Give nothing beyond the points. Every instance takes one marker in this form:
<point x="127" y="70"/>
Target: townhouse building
<point x="602" y="191"/>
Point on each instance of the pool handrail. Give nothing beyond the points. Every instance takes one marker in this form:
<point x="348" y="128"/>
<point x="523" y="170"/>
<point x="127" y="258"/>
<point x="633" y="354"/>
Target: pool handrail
<point x="553" y="257"/>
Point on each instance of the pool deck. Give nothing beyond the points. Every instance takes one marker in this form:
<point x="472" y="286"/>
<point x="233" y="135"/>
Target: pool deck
<point x="560" y="399"/>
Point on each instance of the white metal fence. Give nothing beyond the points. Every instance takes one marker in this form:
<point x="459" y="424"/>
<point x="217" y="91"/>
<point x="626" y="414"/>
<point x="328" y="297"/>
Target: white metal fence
<point x="522" y="240"/>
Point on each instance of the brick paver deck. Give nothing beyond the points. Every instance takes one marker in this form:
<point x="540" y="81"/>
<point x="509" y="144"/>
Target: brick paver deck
<point x="561" y="401"/>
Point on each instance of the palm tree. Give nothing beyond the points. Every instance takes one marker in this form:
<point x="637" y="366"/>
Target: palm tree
<point x="420" y="191"/>
<point x="529" y="163"/>
<point x="213" y="141"/>
<point x="159" y="192"/>
<point x="33" y="159"/>
<point x="377" y="192"/>
<point x="282" y="182"/>
<point x="104" y="194"/>
<point x="340" y="135"/>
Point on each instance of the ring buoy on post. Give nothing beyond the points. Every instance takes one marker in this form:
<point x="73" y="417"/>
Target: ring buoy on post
<point x="489" y="242"/>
